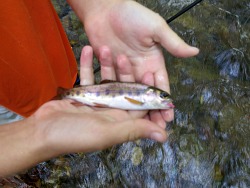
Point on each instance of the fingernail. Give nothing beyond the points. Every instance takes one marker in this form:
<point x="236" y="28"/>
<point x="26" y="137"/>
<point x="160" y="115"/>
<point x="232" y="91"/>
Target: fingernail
<point x="157" y="136"/>
<point x="197" y="50"/>
<point x="86" y="50"/>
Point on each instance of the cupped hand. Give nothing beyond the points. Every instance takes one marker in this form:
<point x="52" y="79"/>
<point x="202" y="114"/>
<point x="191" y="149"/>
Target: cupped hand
<point x="69" y="128"/>
<point x="61" y="127"/>
<point x="131" y="29"/>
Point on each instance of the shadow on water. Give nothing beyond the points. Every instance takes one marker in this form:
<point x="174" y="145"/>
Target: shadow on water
<point x="208" y="144"/>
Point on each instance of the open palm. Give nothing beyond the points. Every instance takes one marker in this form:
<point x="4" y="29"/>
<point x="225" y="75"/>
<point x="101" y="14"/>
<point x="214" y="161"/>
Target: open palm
<point x="129" y="28"/>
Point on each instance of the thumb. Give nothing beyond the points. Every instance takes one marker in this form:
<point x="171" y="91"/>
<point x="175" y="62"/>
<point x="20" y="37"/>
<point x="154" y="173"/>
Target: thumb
<point x="173" y="43"/>
<point x="131" y="130"/>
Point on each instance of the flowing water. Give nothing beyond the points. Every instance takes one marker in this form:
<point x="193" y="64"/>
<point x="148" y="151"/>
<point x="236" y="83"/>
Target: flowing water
<point x="209" y="141"/>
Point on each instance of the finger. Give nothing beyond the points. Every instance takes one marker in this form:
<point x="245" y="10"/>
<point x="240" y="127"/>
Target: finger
<point x="137" y="113"/>
<point x="155" y="115"/>
<point x="168" y="115"/>
<point x="146" y="117"/>
<point x="86" y="66"/>
<point x="139" y="128"/>
<point x="148" y="79"/>
<point x="162" y="82"/>
<point x="125" y="74"/>
<point x="111" y="134"/>
<point x="124" y="69"/>
<point x="107" y="66"/>
<point x="172" y="42"/>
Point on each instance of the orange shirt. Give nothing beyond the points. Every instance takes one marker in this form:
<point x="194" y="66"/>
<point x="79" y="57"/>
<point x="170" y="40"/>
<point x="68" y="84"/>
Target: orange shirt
<point x="35" y="55"/>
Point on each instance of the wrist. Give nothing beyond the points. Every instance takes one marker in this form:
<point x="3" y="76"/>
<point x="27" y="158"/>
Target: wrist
<point x="34" y="142"/>
<point x="88" y="9"/>
<point x="46" y="147"/>
<point x="21" y="146"/>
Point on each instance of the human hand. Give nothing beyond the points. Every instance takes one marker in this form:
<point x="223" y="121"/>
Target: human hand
<point x="59" y="127"/>
<point x="69" y="128"/>
<point x="129" y="28"/>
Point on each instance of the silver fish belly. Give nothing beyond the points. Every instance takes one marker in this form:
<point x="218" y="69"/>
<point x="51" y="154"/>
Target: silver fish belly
<point x="121" y="95"/>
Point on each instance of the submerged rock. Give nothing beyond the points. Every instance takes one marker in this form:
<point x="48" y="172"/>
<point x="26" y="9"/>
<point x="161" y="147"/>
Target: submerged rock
<point x="233" y="64"/>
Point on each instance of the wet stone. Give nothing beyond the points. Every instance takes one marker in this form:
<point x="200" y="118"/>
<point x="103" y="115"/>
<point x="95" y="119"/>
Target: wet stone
<point x="137" y="156"/>
<point x="232" y="63"/>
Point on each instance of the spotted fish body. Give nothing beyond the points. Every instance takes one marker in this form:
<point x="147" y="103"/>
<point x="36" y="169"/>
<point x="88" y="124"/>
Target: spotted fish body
<point x="121" y="95"/>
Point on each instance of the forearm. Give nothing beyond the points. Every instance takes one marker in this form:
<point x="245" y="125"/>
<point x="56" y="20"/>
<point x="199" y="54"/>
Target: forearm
<point x="21" y="147"/>
<point x="85" y="8"/>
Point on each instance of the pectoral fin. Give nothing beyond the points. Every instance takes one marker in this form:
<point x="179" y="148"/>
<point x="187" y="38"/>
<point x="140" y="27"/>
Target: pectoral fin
<point x="134" y="101"/>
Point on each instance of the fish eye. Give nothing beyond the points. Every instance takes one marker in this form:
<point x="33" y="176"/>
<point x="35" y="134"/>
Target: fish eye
<point x="164" y="95"/>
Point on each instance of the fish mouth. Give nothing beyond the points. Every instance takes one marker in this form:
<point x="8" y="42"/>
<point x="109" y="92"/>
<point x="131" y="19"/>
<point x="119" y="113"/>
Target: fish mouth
<point x="171" y="105"/>
<point x="168" y="105"/>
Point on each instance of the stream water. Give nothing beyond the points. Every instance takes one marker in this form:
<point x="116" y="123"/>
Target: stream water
<point x="209" y="143"/>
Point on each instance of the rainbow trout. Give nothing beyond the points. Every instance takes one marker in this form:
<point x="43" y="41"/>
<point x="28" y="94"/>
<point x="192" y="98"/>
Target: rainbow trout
<point x="121" y="95"/>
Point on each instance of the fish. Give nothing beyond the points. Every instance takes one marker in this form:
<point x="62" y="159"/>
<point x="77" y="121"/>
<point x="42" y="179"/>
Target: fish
<point x="120" y="95"/>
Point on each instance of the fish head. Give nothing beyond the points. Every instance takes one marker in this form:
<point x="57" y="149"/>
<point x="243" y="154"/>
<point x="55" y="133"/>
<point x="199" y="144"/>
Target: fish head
<point x="159" y="99"/>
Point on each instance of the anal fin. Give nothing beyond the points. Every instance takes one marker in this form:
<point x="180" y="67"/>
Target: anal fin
<point x="100" y="105"/>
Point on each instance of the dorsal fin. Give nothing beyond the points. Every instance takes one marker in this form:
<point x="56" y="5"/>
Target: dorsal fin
<point x="107" y="81"/>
